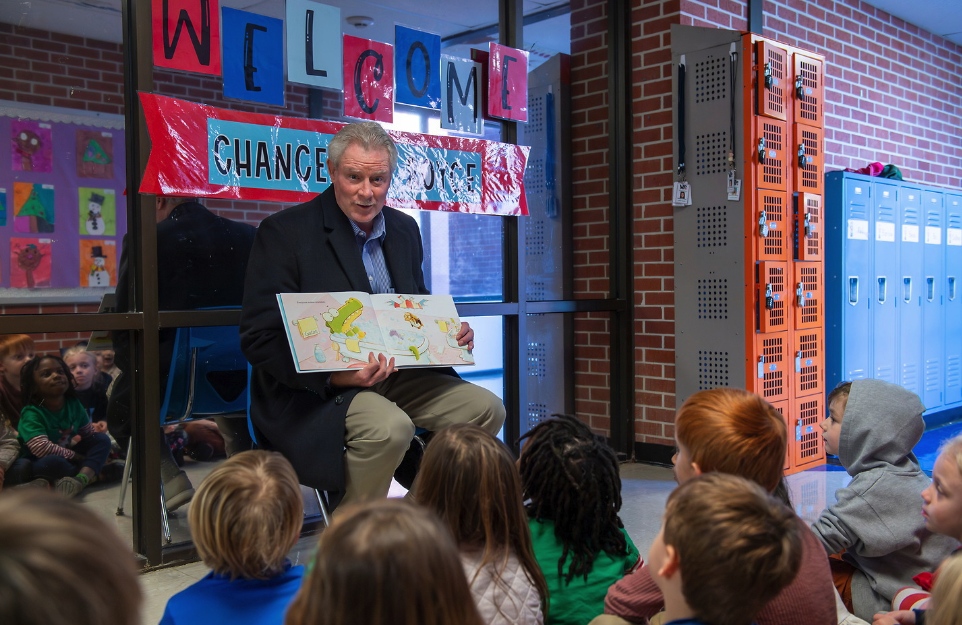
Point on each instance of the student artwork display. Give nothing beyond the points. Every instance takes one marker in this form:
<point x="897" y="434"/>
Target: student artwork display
<point x="32" y="146"/>
<point x="33" y="206"/>
<point x="98" y="262"/>
<point x="59" y="202"/>
<point x="30" y="263"/>
<point x="335" y="331"/>
<point x="186" y="37"/>
<point x="204" y="151"/>
<point x="98" y="211"/>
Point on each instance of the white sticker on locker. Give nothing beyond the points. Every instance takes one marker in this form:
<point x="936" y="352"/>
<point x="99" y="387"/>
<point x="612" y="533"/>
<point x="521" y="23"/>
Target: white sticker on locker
<point x="910" y="234"/>
<point x="953" y="236"/>
<point x="884" y="231"/>
<point x="858" y="190"/>
<point x="933" y="235"/>
<point x="858" y="229"/>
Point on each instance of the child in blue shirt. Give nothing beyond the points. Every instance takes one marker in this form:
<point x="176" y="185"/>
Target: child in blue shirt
<point x="244" y="519"/>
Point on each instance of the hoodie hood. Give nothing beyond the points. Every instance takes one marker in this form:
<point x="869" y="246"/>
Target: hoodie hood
<point x="881" y="425"/>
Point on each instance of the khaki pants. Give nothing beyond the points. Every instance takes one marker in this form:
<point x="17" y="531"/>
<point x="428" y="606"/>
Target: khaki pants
<point x="381" y="421"/>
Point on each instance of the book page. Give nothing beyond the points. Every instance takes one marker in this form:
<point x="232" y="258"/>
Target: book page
<point x="421" y="330"/>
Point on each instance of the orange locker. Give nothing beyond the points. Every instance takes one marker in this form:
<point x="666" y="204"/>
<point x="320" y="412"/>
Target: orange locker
<point x="809" y="227"/>
<point x="773" y="366"/>
<point x="807" y="159"/>
<point x="771" y="286"/>
<point x="808" y="350"/>
<point x="808" y="295"/>
<point x="808" y="90"/>
<point x="772" y="225"/>
<point x="772" y="80"/>
<point x="769" y="156"/>
<point x="782" y="408"/>
<point x="807" y="444"/>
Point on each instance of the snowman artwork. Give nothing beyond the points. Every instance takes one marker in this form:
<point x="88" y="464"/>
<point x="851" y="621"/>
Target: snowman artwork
<point x="99" y="276"/>
<point x="95" y="221"/>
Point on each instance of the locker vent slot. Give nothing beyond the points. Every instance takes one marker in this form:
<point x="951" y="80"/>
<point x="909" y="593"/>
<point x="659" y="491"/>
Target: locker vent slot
<point x="537" y="412"/>
<point x="534" y="236"/>
<point x="711" y="153"/>
<point x="774" y="383"/>
<point x="808" y="377"/>
<point x="712" y="226"/>
<point x="810" y="178"/>
<point x="773" y="168"/>
<point x="953" y="372"/>
<point x="933" y="376"/>
<point x="774" y="243"/>
<point x="809" y="279"/>
<point x="713" y="298"/>
<point x="712" y="369"/>
<point x="711" y="79"/>
<point x="808" y="108"/>
<point x="808" y="414"/>
<point x="537" y="359"/>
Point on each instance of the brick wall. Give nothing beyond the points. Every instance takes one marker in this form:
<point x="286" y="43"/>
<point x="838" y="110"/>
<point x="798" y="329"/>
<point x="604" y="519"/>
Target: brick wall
<point x="892" y="95"/>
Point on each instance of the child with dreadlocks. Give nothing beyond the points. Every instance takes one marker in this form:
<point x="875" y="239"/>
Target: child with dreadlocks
<point x="571" y="482"/>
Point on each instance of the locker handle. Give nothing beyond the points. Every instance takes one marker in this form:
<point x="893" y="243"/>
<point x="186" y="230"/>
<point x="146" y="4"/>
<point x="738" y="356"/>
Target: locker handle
<point x="929" y="288"/>
<point x="769" y="298"/>
<point x="853" y="290"/>
<point x="907" y="289"/>
<point x="802" y="161"/>
<point x="800" y="294"/>
<point x="882" y="289"/>
<point x="761" y="150"/>
<point x="769" y="78"/>
<point x="951" y="288"/>
<point x="809" y="229"/>
<point x="763" y="224"/>
<point x="799" y="88"/>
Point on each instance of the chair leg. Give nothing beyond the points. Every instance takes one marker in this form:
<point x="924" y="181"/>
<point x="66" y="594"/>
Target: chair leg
<point x="163" y="513"/>
<point x="322" y="505"/>
<point x="125" y="479"/>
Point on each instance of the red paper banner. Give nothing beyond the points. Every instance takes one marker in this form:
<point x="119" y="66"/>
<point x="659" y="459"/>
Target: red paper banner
<point x="203" y="151"/>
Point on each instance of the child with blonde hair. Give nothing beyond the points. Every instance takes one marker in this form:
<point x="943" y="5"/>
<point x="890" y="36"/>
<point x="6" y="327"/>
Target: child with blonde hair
<point x="571" y="482"/>
<point x="387" y="562"/>
<point x="244" y="518"/>
<point x="15" y="351"/>
<point x="942" y="514"/>
<point x="469" y="478"/>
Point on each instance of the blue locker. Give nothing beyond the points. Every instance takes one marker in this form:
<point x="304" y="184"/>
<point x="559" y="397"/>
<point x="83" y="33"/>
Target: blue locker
<point x="910" y="298"/>
<point x="953" y="299"/>
<point x="885" y="283"/>
<point x="856" y="330"/>
<point x="933" y="311"/>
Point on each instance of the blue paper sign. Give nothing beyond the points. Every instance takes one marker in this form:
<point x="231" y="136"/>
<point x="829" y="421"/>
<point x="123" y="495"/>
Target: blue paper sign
<point x="417" y="55"/>
<point x="461" y="95"/>
<point x="314" y="44"/>
<point x="253" y="57"/>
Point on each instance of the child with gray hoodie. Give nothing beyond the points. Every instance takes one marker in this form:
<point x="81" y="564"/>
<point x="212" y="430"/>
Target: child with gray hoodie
<point x="877" y="519"/>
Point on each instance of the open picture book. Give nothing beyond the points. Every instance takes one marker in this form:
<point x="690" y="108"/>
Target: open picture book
<point x="336" y="331"/>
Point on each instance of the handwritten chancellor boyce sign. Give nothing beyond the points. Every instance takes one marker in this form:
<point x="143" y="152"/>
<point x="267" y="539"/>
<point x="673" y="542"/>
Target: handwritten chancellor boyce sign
<point x="203" y="151"/>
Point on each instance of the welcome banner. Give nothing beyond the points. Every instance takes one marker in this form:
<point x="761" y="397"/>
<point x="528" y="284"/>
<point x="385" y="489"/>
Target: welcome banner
<point x="203" y="151"/>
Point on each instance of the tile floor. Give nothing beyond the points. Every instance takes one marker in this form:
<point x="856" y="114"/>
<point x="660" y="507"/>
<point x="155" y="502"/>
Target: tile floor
<point x="644" y="489"/>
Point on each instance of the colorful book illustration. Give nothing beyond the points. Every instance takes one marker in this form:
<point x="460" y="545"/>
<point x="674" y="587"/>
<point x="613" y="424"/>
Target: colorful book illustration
<point x="335" y="331"/>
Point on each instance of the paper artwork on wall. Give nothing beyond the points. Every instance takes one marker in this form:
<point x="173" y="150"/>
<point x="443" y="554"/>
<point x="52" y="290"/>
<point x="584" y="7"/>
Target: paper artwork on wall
<point x="30" y="263"/>
<point x="31" y="145"/>
<point x="95" y="154"/>
<point x="98" y="262"/>
<point x="98" y="211"/>
<point x="3" y="207"/>
<point x="33" y="207"/>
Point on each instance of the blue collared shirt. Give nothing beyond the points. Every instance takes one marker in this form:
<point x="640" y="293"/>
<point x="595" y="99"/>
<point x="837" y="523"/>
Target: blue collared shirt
<point x="373" y="255"/>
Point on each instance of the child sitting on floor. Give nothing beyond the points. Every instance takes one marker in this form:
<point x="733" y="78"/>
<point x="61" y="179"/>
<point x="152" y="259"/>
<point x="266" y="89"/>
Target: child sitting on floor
<point x="728" y="430"/>
<point x="571" y="482"/>
<point x="946" y="607"/>
<point x="386" y="562"/>
<point x="50" y="418"/>
<point x="83" y="367"/>
<point x="942" y="511"/>
<point x="726" y="548"/>
<point x="245" y="517"/>
<point x="469" y="478"/>
<point x="877" y="519"/>
<point x="15" y="351"/>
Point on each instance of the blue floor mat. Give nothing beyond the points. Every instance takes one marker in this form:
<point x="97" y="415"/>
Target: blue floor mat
<point x="928" y="448"/>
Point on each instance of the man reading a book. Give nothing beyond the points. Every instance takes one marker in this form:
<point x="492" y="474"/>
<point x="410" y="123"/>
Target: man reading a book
<point x="346" y="432"/>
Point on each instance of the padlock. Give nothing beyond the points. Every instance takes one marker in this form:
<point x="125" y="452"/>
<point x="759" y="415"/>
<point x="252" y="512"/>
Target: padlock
<point x="763" y="224"/>
<point x="799" y="88"/>
<point x="769" y="299"/>
<point x="809" y="230"/>
<point x="769" y="79"/>
<point x="800" y="295"/>
<point x="761" y="150"/>
<point x="801" y="155"/>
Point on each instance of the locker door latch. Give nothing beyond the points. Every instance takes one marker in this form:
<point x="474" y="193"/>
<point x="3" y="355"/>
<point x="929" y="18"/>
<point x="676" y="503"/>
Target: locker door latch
<point x="809" y="230"/>
<point x="798" y="362"/>
<point x="769" y="79"/>
<point x="799" y="88"/>
<point x="763" y="224"/>
<point x="769" y="298"/>
<point x="761" y="150"/>
<point x="801" y="155"/>
<point x="800" y="295"/>
<point x="761" y="367"/>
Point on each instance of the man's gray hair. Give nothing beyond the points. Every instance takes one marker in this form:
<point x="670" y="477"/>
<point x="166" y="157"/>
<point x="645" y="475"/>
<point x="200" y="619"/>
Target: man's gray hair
<point x="369" y="135"/>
